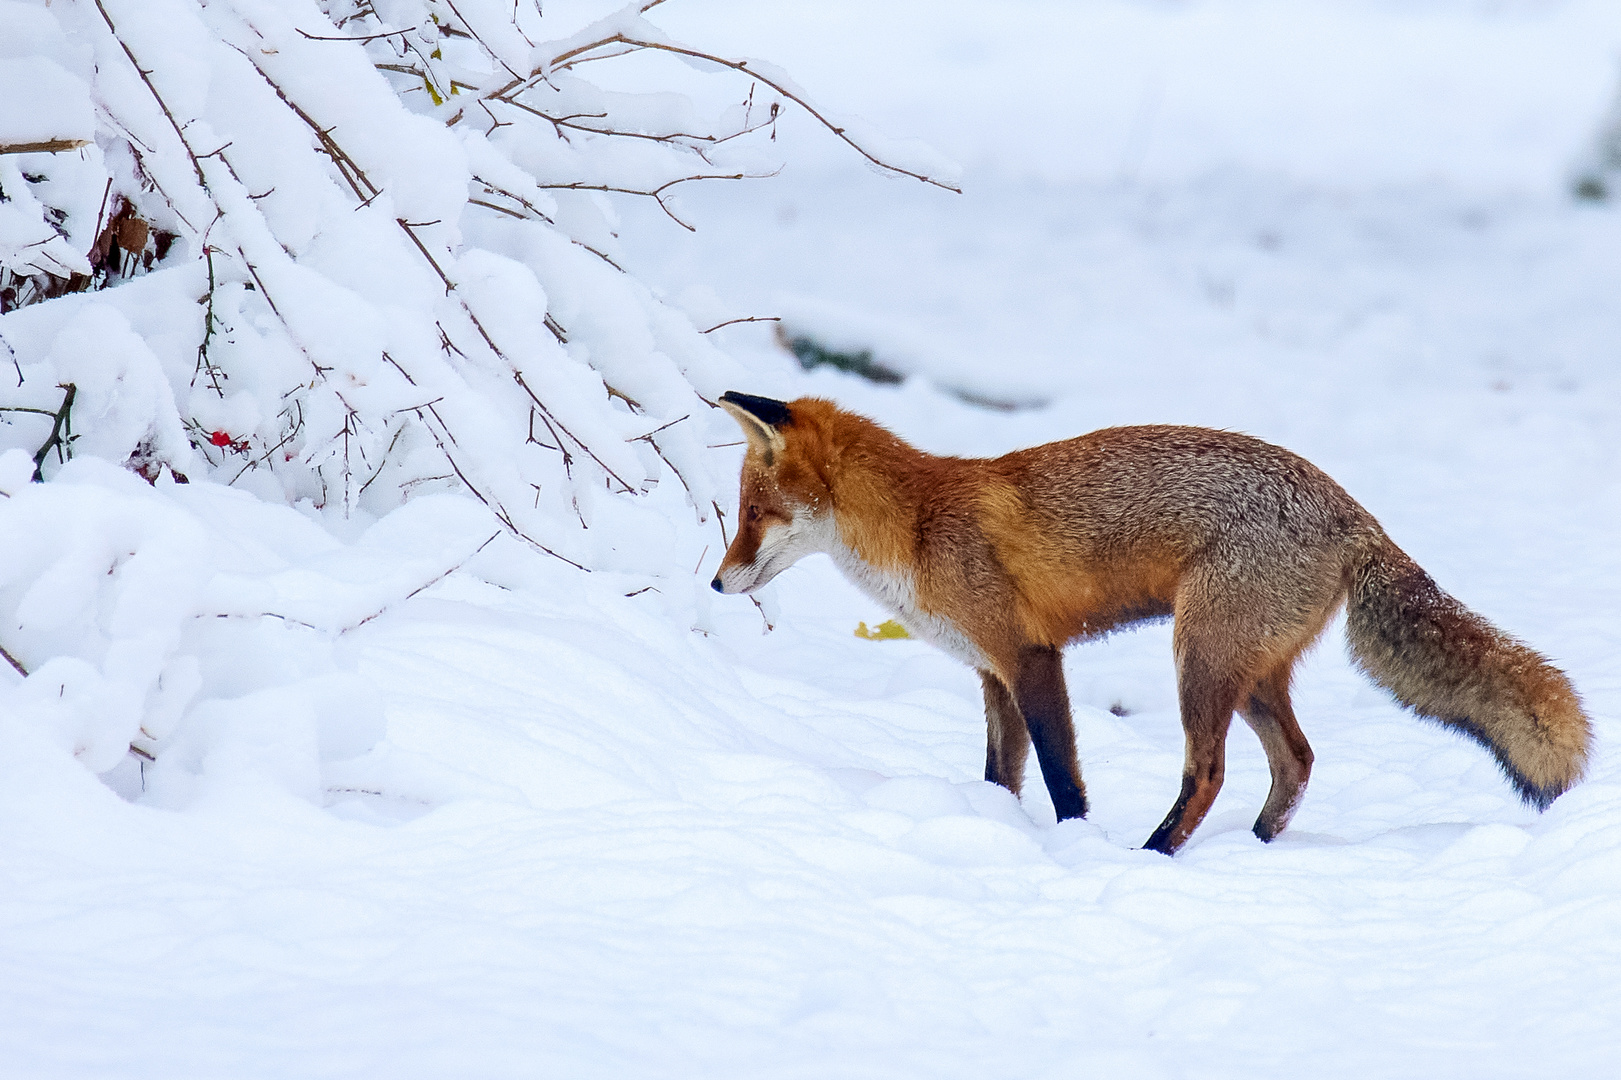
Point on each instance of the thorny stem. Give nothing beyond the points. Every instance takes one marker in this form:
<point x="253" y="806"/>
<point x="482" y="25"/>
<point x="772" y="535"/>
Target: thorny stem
<point x="203" y="362"/>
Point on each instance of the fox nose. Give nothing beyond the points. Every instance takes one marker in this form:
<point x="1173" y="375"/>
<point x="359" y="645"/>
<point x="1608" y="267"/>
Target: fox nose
<point x="716" y="585"/>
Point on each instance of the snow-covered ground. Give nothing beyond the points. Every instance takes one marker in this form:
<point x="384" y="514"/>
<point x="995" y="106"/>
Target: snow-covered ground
<point x="516" y="823"/>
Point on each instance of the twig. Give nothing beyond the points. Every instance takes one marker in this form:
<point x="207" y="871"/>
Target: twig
<point x="498" y="209"/>
<point x="494" y="504"/>
<point x="648" y="437"/>
<point x="106" y="190"/>
<point x="14" y="361"/>
<point x="383" y="461"/>
<point x="264" y="457"/>
<point x="497" y="189"/>
<point x="203" y="362"/>
<point x="399" y="369"/>
<point x="61" y="432"/>
<point x="13" y="661"/>
<point x="436" y="579"/>
<point x="491" y="53"/>
<point x="657" y="194"/>
<point x="599" y="255"/>
<point x="761" y="609"/>
<point x="744" y="319"/>
<point x="289" y="620"/>
<point x="367" y="37"/>
<point x="677" y="137"/>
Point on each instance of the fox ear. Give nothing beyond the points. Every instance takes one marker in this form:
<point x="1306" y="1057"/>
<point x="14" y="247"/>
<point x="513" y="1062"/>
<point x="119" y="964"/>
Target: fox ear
<point x="759" y="417"/>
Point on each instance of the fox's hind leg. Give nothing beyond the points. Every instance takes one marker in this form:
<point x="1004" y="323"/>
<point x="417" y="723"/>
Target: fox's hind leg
<point x="1208" y="694"/>
<point x="1269" y="714"/>
<point x="1007" y="739"/>
<point x="1218" y="655"/>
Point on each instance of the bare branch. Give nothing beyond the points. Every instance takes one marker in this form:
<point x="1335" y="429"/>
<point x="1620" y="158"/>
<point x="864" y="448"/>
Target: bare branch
<point x="367" y="37"/>
<point x="657" y="194"/>
<point x="574" y="55"/>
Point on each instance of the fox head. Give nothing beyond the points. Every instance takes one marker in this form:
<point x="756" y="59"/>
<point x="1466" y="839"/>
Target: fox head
<point x="785" y="508"/>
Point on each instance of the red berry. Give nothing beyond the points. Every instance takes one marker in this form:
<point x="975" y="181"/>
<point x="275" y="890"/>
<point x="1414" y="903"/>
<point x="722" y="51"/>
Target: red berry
<point x="219" y="438"/>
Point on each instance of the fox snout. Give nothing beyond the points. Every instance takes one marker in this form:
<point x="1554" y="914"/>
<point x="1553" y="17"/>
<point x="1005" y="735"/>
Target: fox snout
<point x="735" y="585"/>
<point x="742" y="572"/>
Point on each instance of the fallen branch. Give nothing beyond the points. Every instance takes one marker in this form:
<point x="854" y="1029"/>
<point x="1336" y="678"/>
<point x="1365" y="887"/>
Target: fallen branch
<point x="49" y="146"/>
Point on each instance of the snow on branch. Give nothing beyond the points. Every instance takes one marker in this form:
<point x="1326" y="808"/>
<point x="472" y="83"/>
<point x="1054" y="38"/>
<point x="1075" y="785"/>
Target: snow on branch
<point x="378" y="264"/>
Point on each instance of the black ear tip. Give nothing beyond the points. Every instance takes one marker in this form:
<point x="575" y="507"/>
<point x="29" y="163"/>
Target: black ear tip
<point x="769" y="410"/>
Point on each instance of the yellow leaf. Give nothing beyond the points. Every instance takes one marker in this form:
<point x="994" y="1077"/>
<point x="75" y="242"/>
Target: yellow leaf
<point x="888" y="630"/>
<point x="437" y="100"/>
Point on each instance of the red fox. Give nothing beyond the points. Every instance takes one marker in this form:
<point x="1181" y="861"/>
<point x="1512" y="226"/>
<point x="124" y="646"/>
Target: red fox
<point x="1003" y="561"/>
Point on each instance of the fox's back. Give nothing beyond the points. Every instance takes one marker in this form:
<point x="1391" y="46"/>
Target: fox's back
<point x="1179" y="490"/>
<point x="1101" y="530"/>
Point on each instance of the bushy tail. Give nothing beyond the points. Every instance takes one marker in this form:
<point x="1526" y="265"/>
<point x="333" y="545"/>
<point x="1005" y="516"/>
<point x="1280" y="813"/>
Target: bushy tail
<point x="1449" y="664"/>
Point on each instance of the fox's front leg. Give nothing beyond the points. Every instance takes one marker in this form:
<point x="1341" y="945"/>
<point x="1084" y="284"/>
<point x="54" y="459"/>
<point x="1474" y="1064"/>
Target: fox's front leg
<point x="1043" y="701"/>
<point x="1007" y="739"/>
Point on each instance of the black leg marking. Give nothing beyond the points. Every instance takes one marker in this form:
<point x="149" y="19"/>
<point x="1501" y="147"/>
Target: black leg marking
<point x="1161" y="840"/>
<point x="1044" y="702"/>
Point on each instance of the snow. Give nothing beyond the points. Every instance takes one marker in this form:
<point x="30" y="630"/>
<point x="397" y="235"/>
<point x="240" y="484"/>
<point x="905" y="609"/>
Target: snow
<point x="43" y="102"/>
<point x="426" y="803"/>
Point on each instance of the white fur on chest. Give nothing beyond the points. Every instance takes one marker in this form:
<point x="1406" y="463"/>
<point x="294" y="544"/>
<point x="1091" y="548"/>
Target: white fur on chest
<point x="895" y="590"/>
